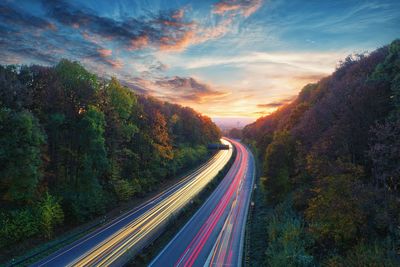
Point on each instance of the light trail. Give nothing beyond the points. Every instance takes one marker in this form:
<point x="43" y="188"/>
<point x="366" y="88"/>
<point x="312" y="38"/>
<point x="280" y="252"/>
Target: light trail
<point x="136" y="231"/>
<point x="214" y="235"/>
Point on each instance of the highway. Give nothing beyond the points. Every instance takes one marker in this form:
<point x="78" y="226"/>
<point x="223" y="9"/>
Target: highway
<point x="114" y="243"/>
<point x="214" y="235"/>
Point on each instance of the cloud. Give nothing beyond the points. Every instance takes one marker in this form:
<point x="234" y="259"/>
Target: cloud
<point x="276" y="104"/>
<point x="115" y="63"/>
<point x="105" y="52"/>
<point x="139" y="42"/>
<point x="168" y="30"/>
<point x="310" y="77"/>
<point x="234" y="7"/>
<point x="26" y="37"/>
<point x="319" y="62"/>
<point x="177" y="43"/>
<point x="262" y="113"/>
<point x="79" y="33"/>
<point x="182" y="90"/>
<point x="11" y="16"/>
<point x="136" y="84"/>
<point x="187" y="88"/>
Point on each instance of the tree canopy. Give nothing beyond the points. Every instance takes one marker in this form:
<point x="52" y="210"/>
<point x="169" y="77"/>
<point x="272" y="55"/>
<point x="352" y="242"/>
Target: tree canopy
<point x="73" y="145"/>
<point x="335" y="152"/>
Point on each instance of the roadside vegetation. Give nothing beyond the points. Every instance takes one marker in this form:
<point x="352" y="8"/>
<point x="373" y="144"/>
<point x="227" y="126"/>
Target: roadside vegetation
<point x="330" y="176"/>
<point x="73" y="146"/>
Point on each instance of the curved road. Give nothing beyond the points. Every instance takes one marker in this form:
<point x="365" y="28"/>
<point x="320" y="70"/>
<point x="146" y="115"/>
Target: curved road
<point x="214" y="235"/>
<point x="114" y="243"/>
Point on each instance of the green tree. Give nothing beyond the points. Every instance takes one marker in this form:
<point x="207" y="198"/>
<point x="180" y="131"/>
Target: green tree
<point x="278" y="166"/>
<point x="89" y="194"/>
<point x="79" y="86"/>
<point x="17" y="225"/>
<point x="50" y="215"/>
<point x="21" y="139"/>
<point x="120" y="107"/>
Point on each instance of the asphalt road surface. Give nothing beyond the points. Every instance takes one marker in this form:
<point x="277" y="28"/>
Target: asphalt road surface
<point x="214" y="235"/>
<point x="114" y="243"/>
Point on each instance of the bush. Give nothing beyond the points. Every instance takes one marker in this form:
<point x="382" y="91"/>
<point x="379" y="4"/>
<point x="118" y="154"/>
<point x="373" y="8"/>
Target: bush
<point x="50" y="215"/>
<point x="17" y="225"/>
<point x="287" y="239"/>
<point x="371" y="255"/>
<point x="123" y="189"/>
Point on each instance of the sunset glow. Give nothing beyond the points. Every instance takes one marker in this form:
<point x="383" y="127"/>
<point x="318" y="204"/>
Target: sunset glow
<point x="223" y="58"/>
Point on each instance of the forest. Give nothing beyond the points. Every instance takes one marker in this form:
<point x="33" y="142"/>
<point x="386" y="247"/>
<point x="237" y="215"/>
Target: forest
<point x="74" y="145"/>
<point x="331" y="168"/>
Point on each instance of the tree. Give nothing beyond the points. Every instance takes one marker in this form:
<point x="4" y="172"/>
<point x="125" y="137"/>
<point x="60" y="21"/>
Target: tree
<point x="335" y="212"/>
<point x="384" y="152"/>
<point x="13" y="92"/>
<point x="93" y="163"/>
<point x="79" y="85"/>
<point x="90" y="142"/>
<point x="17" y="225"/>
<point x="278" y="166"/>
<point x="50" y="215"/>
<point x="21" y="141"/>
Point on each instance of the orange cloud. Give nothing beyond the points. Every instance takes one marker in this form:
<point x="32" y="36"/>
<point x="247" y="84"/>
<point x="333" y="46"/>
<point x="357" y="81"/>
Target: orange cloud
<point x="243" y="7"/>
<point x="222" y="8"/>
<point x="139" y="42"/>
<point x="181" y="90"/>
<point x="277" y="104"/>
<point x="105" y="52"/>
<point x="116" y="64"/>
<point x="171" y="43"/>
<point x="178" y="14"/>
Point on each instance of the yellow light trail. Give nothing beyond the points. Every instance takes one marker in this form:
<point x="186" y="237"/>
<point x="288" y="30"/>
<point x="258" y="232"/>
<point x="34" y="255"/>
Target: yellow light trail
<point x="139" y="229"/>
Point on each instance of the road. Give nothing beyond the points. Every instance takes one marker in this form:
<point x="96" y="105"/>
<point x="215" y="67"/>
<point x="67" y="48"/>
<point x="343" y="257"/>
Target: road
<point x="114" y="243"/>
<point x="214" y="235"/>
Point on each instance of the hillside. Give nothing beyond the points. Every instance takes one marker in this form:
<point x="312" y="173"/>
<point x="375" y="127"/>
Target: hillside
<point x="331" y="168"/>
<point x="73" y="145"/>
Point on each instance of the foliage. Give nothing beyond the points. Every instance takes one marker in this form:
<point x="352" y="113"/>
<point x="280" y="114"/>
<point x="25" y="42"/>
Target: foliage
<point x="384" y="152"/>
<point x="20" y="155"/>
<point x="73" y="145"/>
<point x="369" y="255"/>
<point x="288" y="240"/>
<point x="278" y="166"/>
<point x="17" y="225"/>
<point x="334" y="213"/>
<point x="335" y="148"/>
<point x="50" y="214"/>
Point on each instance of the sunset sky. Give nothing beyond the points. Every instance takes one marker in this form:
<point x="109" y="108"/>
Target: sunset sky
<point x="229" y="58"/>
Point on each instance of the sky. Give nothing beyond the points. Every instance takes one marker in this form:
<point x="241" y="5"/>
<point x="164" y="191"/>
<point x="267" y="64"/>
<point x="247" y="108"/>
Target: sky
<point x="233" y="60"/>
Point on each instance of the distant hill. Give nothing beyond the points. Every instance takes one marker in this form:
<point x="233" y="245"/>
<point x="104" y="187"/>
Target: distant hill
<point x="228" y="123"/>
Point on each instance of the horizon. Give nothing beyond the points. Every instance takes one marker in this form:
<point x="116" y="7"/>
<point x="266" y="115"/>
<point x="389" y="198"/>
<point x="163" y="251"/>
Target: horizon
<point x="226" y="59"/>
